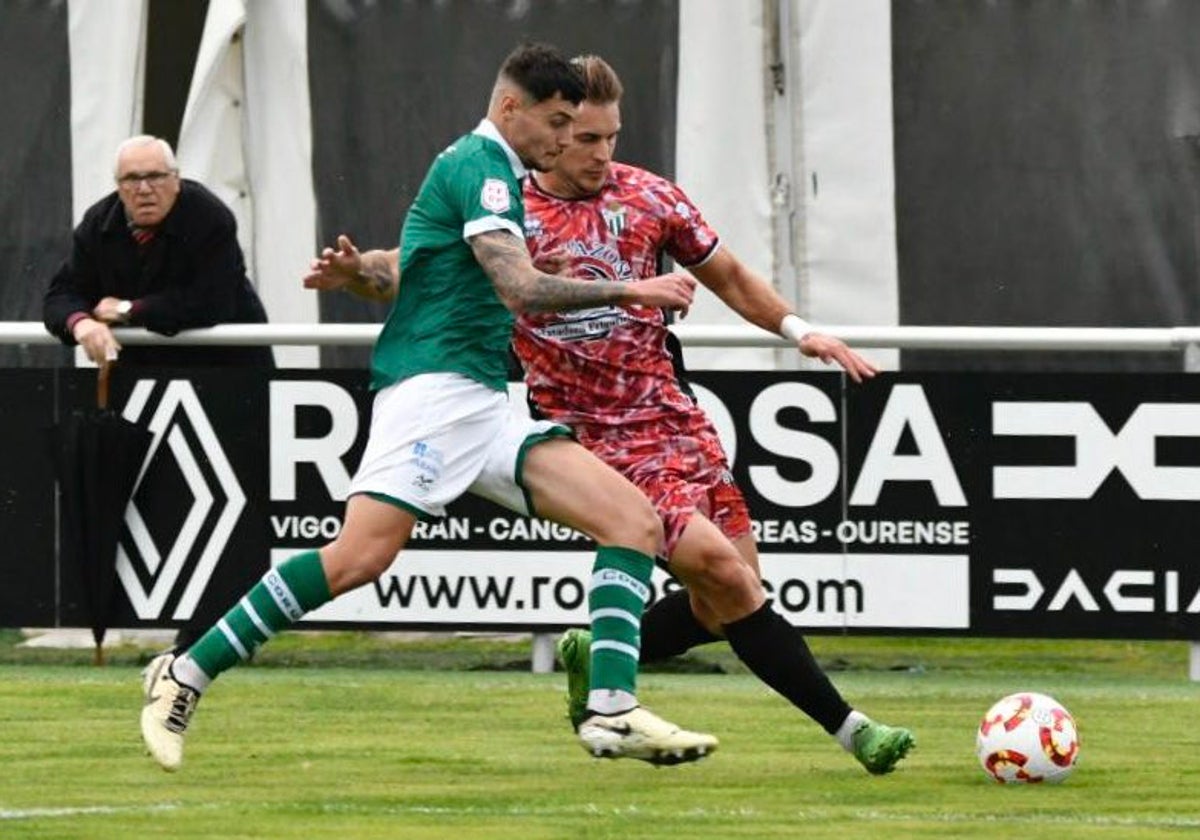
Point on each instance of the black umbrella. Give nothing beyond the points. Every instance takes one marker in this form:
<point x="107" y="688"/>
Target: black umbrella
<point x="97" y="457"/>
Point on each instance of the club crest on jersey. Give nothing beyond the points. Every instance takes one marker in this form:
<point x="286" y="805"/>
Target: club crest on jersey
<point x="614" y="217"/>
<point x="494" y="196"/>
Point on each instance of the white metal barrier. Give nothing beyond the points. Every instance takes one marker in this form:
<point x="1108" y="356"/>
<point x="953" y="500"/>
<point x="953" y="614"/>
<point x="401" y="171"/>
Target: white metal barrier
<point x="1113" y="339"/>
<point x="1184" y="340"/>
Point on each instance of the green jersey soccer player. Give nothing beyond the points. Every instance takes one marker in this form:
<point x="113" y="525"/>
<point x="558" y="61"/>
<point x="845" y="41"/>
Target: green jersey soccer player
<point x="441" y="426"/>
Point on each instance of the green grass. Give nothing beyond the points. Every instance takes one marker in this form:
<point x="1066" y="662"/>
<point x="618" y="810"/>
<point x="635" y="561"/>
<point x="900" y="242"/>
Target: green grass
<point x="395" y="747"/>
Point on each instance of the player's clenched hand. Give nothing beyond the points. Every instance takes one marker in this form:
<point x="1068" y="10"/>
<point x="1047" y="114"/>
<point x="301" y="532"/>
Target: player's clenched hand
<point x="334" y="268"/>
<point x="667" y="291"/>
<point x="832" y="350"/>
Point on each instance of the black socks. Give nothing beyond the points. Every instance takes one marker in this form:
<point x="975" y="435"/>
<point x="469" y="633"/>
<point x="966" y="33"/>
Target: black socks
<point x="669" y="628"/>
<point x="775" y="651"/>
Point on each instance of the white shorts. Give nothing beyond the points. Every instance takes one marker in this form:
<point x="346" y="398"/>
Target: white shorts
<point x="438" y="435"/>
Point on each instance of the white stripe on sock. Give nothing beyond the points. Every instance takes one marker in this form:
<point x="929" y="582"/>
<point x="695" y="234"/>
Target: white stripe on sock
<point x="254" y="617"/>
<point x="233" y="640"/>
<point x="619" y="647"/>
<point x="611" y="612"/>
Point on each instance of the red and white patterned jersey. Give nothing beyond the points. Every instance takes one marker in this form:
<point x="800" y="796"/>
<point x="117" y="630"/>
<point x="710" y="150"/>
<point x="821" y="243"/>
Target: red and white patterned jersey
<point x="609" y="365"/>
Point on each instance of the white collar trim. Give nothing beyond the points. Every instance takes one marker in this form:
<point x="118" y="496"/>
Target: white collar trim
<point x="487" y="128"/>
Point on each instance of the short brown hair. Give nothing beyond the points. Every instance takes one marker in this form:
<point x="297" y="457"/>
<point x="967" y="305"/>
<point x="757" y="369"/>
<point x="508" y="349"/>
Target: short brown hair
<point x="542" y="71"/>
<point x="601" y="84"/>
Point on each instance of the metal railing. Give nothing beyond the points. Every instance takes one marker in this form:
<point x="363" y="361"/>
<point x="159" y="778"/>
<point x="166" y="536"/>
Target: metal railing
<point x="1112" y="339"/>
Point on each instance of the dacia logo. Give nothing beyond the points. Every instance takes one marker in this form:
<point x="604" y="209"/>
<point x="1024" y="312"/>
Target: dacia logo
<point x="1125" y="591"/>
<point x="215" y="492"/>
<point x="1131" y="451"/>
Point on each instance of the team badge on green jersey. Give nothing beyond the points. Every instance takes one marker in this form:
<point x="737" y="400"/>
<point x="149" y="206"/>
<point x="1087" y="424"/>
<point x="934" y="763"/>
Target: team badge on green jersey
<point x="494" y="196"/>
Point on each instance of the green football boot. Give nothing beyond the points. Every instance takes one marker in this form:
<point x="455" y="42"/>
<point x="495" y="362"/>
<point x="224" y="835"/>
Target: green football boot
<point x="879" y="747"/>
<point x="575" y="654"/>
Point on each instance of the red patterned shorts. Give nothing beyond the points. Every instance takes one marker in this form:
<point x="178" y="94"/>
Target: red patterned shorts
<point x="681" y="468"/>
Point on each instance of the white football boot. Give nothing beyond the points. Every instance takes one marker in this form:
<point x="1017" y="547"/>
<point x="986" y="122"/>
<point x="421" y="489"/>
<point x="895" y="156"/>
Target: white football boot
<point x="167" y="711"/>
<point x="641" y="734"/>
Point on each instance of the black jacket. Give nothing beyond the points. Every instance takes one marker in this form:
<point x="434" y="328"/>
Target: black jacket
<point x="191" y="274"/>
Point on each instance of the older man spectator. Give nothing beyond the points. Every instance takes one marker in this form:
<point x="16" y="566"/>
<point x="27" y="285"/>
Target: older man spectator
<point x="160" y="252"/>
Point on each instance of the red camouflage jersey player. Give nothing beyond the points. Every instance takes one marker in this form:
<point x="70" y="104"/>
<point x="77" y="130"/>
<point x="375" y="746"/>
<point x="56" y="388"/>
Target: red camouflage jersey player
<point x="608" y="372"/>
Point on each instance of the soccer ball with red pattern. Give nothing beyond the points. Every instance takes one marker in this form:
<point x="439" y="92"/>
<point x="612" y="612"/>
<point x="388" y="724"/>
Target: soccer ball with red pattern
<point x="1027" y="737"/>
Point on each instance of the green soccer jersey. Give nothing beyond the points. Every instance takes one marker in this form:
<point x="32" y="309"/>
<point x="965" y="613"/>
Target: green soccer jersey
<point x="447" y="317"/>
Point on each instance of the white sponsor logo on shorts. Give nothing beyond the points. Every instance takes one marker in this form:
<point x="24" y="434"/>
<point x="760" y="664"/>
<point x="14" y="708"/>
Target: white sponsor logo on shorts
<point x="429" y="461"/>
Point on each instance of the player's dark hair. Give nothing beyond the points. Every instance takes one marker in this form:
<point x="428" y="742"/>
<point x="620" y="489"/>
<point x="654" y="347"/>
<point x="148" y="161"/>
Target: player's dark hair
<point x="601" y="84"/>
<point x="542" y="71"/>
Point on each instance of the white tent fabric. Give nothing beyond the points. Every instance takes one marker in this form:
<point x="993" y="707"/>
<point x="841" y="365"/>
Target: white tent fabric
<point x="108" y="51"/>
<point x="844" y="238"/>
<point x="278" y="140"/>
<point x="850" y="270"/>
<point x="253" y="147"/>
<point x="107" y="46"/>
<point x="721" y="151"/>
<point x="211" y="136"/>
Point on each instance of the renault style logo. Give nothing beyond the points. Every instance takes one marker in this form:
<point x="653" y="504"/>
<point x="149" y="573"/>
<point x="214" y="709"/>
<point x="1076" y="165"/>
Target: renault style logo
<point x="177" y="422"/>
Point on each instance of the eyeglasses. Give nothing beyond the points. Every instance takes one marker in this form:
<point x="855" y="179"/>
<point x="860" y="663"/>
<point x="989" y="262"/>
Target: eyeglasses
<point x="135" y="179"/>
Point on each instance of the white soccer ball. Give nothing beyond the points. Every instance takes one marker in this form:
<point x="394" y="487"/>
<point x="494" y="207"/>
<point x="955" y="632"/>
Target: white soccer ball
<point x="1027" y="737"/>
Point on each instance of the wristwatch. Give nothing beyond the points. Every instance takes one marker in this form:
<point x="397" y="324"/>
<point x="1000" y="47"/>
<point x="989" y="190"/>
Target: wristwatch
<point x="124" y="308"/>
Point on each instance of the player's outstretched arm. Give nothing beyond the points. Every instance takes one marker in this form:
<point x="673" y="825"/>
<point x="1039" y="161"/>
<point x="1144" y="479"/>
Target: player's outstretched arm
<point x="523" y="288"/>
<point x="374" y="275"/>
<point x="754" y="299"/>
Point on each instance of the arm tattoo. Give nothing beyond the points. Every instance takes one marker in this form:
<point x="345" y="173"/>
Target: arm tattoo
<point x="523" y="288"/>
<point x="375" y="280"/>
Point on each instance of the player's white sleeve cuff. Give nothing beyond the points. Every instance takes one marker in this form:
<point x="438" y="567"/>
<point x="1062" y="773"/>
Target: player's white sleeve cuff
<point x="488" y="223"/>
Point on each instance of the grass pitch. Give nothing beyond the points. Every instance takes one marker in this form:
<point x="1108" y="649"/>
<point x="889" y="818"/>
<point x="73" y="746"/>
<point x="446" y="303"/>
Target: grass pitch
<point x="397" y="746"/>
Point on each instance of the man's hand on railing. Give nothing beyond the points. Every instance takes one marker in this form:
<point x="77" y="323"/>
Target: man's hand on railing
<point x="96" y="339"/>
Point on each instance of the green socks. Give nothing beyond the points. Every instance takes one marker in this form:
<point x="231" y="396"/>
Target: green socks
<point x="616" y="600"/>
<point x="284" y="594"/>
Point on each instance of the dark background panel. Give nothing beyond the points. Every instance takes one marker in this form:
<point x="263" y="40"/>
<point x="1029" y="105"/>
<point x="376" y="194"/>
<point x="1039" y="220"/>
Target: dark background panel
<point x="35" y="165"/>
<point x="180" y="477"/>
<point x="1047" y="171"/>
<point x="173" y="32"/>
<point x="1090" y="538"/>
<point x="235" y="405"/>
<point x="1113" y="529"/>
<point x="392" y="84"/>
<point x="28" y="571"/>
